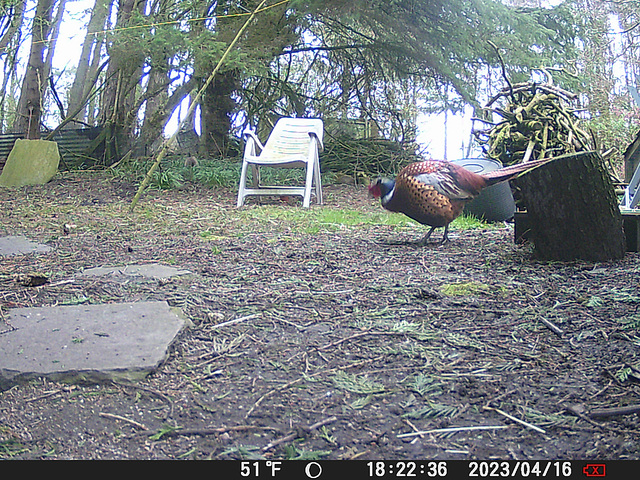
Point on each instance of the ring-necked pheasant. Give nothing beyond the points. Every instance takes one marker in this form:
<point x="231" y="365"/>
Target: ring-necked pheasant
<point x="434" y="192"/>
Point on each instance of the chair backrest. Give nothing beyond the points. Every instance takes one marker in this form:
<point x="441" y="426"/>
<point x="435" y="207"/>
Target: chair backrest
<point x="290" y="137"/>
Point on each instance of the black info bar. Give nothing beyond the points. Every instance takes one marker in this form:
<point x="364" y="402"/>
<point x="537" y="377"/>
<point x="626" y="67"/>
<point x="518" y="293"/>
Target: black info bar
<point x="426" y="469"/>
<point x="361" y="469"/>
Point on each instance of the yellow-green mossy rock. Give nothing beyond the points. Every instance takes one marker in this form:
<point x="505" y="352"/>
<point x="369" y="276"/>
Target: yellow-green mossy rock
<point x="31" y="162"/>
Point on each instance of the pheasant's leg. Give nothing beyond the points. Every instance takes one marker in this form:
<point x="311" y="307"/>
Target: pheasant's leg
<point x="424" y="240"/>
<point x="445" y="237"/>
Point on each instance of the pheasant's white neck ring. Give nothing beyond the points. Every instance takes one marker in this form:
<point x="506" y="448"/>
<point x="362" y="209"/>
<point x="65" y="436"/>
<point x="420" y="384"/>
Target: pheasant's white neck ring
<point x="387" y="198"/>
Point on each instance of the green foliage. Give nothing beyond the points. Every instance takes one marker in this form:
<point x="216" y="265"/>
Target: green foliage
<point x="174" y="174"/>
<point x="622" y="375"/>
<point x="432" y="410"/>
<point x="378" y="60"/>
<point x="210" y="51"/>
<point x="166" y="179"/>
<point x="217" y="173"/>
<point x="312" y="221"/>
<point x="371" y="157"/>
<point x="357" y="384"/>
<point x="631" y="323"/>
<point x="615" y="132"/>
<point x="425" y="385"/>
<point x="387" y="61"/>
<point x="165" y="429"/>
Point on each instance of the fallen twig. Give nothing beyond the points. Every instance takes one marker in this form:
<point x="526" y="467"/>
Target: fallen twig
<point x="124" y="419"/>
<point x="511" y="417"/>
<point x="578" y="411"/>
<point x="235" y="320"/>
<point x="203" y="432"/>
<point x="48" y="394"/>
<point x="415" y="429"/>
<point x="614" y="411"/>
<point x="296" y="434"/>
<point x="451" y="430"/>
<point x="558" y="331"/>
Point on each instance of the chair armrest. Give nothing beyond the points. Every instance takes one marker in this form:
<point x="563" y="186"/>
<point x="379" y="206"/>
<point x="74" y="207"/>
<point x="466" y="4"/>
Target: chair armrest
<point x="320" y="145"/>
<point x="251" y="136"/>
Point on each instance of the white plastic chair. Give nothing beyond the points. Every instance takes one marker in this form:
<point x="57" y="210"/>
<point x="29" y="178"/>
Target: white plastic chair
<point x="293" y="143"/>
<point x="631" y="196"/>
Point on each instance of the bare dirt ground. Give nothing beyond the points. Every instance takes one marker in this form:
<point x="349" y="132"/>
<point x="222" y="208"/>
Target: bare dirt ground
<point x="314" y="339"/>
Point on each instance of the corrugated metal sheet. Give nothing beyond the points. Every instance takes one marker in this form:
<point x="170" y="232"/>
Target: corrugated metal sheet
<point x="73" y="146"/>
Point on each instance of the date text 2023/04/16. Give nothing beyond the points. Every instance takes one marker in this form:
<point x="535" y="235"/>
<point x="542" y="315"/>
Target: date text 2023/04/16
<point x="431" y="469"/>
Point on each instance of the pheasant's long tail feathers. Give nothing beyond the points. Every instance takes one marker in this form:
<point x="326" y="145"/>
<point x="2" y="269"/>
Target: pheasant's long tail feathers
<point x="512" y="171"/>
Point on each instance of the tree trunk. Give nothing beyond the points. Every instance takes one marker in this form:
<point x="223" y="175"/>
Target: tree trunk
<point x="119" y="96"/>
<point x="12" y="33"/>
<point x="572" y="210"/>
<point x="56" y="24"/>
<point x="154" y="123"/>
<point x="30" y="104"/>
<point x="12" y="18"/>
<point x="80" y="85"/>
<point x="155" y="110"/>
<point x="217" y="105"/>
<point x="93" y="106"/>
<point x="53" y="40"/>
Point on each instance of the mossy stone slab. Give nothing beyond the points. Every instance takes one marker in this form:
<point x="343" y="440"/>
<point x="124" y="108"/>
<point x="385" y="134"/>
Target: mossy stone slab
<point x="31" y="162"/>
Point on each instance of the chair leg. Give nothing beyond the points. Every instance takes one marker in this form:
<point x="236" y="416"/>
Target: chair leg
<point x="308" y="185"/>
<point x="255" y="175"/>
<point x="316" y="171"/>
<point x="241" y="187"/>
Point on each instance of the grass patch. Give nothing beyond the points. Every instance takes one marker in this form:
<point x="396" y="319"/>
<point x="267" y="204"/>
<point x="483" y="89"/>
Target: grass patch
<point x="466" y="222"/>
<point x="315" y="220"/>
<point x="173" y="174"/>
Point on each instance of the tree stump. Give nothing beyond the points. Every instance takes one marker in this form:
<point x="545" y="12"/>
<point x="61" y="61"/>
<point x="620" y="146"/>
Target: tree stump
<point x="572" y="210"/>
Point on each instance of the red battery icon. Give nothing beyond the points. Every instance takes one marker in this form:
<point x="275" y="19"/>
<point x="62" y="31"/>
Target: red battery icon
<point x="594" y="470"/>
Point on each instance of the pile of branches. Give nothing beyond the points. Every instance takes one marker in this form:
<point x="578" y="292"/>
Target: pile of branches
<point x="367" y="157"/>
<point x="537" y="122"/>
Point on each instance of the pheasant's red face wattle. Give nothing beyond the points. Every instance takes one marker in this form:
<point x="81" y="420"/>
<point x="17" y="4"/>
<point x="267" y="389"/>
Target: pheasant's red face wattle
<point x="374" y="190"/>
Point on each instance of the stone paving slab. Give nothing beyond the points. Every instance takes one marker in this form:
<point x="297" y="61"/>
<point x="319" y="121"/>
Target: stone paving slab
<point x="153" y="270"/>
<point x="18" y="245"/>
<point x="87" y="342"/>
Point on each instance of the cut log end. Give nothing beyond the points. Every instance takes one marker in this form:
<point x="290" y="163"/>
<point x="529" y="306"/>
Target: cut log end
<point x="573" y="211"/>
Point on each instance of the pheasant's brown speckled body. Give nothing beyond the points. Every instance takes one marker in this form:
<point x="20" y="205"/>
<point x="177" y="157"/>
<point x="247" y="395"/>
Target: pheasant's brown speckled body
<point x="434" y="192"/>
